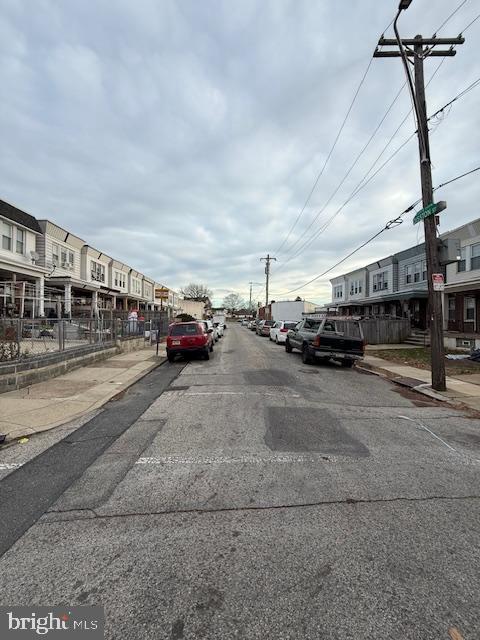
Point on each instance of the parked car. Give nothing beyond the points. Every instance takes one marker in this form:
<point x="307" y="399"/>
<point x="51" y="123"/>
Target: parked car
<point x="278" y="333"/>
<point x="263" y="329"/>
<point x="320" y="339"/>
<point x="189" y="338"/>
<point x="253" y="325"/>
<point x="210" y="325"/>
<point x="219" y="328"/>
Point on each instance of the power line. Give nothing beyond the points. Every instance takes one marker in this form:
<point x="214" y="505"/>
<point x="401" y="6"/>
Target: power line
<point x="389" y="225"/>
<point x="329" y="154"/>
<point x="451" y="16"/>
<point x="364" y="181"/>
<point x="352" y="166"/>
<point x="360" y="186"/>
<point x="331" y="149"/>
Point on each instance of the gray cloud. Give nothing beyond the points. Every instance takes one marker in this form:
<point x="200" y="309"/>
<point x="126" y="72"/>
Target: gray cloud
<point x="183" y="138"/>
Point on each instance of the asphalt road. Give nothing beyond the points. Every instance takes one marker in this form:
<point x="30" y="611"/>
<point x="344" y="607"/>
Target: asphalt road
<point x="252" y="496"/>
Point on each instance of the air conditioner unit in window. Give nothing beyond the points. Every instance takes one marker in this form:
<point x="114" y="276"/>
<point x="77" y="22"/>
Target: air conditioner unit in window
<point x="34" y="256"/>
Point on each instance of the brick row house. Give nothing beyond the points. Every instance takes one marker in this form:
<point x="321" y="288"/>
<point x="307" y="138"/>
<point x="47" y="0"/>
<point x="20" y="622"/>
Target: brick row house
<point x="47" y="270"/>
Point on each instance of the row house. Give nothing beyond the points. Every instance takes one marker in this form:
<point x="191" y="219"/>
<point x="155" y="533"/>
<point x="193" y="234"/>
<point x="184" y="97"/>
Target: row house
<point x="394" y="286"/>
<point x="22" y="276"/>
<point x="397" y="286"/>
<point x="461" y="308"/>
<point x="46" y="270"/>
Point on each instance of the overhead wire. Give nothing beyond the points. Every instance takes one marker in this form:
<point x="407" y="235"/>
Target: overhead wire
<point x="322" y="170"/>
<point x="365" y="146"/>
<point x="394" y="222"/>
<point x="329" y="155"/>
<point x="364" y="181"/>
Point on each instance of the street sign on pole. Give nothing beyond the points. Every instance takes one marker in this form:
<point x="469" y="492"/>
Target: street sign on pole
<point x="429" y="210"/>
<point x="438" y="282"/>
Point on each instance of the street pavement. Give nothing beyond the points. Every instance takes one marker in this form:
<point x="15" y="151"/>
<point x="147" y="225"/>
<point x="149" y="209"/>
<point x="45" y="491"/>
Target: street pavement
<point x="253" y="496"/>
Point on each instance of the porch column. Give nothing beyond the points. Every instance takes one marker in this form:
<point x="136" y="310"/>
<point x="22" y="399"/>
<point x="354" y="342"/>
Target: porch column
<point x="40" y="295"/>
<point x="68" y="300"/>
<point x="94" y="310"/>
<point x="114" y="302"/>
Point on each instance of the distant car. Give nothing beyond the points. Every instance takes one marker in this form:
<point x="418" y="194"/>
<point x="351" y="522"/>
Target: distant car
<point x="245" y="322"/>
<point x="189" y="338"/>
<point x="220" y="328"/>
<point x="263" y="329"/>
<point x="278" y="333"/>
<point x="210" y="325"/>
<point x="253" y="325"/>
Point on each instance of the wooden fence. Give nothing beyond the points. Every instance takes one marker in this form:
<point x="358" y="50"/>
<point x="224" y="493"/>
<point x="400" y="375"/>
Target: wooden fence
<point x="377" y="330"/>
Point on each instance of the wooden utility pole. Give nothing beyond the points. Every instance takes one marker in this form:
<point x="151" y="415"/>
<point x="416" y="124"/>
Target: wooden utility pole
<point x="419" y="53"/>
<point x="268" y="259"/>
<point x="250" y="298"/>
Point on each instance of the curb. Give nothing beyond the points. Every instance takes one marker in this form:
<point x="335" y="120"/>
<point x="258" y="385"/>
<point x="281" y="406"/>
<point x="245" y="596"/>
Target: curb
<point x="94" y="407"/>
<point x="409" y="383"/>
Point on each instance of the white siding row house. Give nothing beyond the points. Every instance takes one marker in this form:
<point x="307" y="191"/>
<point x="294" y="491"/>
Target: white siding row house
<point x="397" y="286"/>
<point x="46" y="270"/>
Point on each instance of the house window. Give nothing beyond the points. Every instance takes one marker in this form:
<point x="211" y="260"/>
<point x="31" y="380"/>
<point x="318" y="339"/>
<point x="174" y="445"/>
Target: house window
<point x="462" y="263"/>
<point x="417" y="272"/>
<point x="469" y="314"/>
<point x="408" y="273"/>
<point x="380" y="281"/>
<point x="7" y="230"/>
<point x="20" y="241"/>
<point x="424" y="270"/>
<point x="97" y="271"/>
<point x="55" y="254"/>
<point x="71" y="258"/>
<point x="63" y="253"/>
<point x="338" y="291"/>
<point x="451" y="309"/>
<point x="475" y="261"/>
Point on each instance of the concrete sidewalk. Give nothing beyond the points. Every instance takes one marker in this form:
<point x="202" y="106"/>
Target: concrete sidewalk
<point x="462" y="390"/>
<point x="49" y="404"/>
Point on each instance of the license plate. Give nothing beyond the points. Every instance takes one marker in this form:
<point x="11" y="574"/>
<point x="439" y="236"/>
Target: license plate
<point x="175" y="341"/>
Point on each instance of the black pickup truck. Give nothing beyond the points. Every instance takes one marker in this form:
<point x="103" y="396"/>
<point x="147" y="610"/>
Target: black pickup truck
<point x="320" y="339"/>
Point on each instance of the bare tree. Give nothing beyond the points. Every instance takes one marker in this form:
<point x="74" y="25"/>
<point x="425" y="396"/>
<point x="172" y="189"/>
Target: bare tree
<point x="195" y="291"/>
<point x="233" y="302"/>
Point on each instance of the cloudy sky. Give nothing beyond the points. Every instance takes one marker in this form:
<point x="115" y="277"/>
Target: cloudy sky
<point x="183" y="137"/>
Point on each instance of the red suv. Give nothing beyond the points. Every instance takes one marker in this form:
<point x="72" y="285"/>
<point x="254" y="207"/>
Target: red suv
<point x="186" y="338"/>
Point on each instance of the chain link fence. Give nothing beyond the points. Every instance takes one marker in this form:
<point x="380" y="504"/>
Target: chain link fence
<point x="24" y="338"/>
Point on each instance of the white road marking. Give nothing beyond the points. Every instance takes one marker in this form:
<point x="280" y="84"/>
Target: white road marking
<point x="234" y="393"/>
<point x="9" y="465"/>
<point x="422" y="426"/>
<point x="287" y="459"/>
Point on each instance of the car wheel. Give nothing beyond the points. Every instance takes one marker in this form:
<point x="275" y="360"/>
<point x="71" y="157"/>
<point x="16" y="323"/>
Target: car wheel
<point x="171" y="357"/>
<point x="211" y="347"/>
<point x="288" y="346"/>
<point x="306" y="358"/>
<point x="276" y="340"/>
<point x="206" y="355"/>
<point x="348" y="364"/>
<point x="270" y="338"/>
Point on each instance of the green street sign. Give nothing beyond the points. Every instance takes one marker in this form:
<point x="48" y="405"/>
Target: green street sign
<point x="429" y="210"/>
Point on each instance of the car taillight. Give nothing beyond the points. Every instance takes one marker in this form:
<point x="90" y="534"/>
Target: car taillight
<point x="284" y="330"/>
<point x="316" y="341"/>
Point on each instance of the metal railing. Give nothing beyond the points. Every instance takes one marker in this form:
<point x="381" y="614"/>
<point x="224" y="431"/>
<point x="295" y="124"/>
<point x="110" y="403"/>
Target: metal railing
<point x="24" y="338"/>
